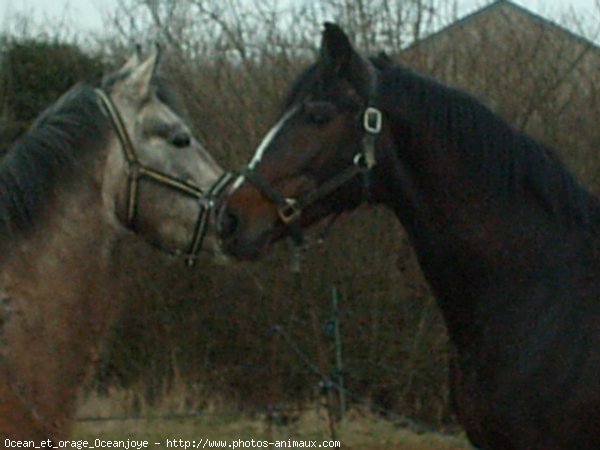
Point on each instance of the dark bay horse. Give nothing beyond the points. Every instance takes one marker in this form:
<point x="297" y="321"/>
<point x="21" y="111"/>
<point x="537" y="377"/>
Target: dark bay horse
<point x="508" y="240"/>
<point x="99" y="165"/>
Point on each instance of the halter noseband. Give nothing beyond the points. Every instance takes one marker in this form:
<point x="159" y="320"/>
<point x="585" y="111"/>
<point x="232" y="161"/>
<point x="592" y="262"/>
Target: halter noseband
<point x="137" y="171"/>
<point x="289" y="209"/>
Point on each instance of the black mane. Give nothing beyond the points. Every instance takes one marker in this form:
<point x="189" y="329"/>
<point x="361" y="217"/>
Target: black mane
<point x="507" y="161"/>
<point x="53" y="151"/>
<point x="55" y="148"/>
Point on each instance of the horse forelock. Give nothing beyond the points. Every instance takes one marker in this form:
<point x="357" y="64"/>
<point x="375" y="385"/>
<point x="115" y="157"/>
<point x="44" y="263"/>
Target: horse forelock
<point x="163" y="90"/>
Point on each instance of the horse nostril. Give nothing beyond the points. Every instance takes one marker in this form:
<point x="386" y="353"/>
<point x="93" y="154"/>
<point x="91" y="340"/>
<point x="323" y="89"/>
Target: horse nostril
<point x="228" y="222"/>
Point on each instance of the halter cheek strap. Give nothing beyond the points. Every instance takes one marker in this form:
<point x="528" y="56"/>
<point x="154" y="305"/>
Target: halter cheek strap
<point x="207" y="204"/>
<point x="136" y="171"/>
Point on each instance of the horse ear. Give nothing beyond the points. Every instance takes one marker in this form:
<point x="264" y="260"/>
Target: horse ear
<point x="336" y="49"/>
<point x="140" y="80"/>
<point x="383" y="59"/>
<point x="339" y="59"/>
<point x="134" y="60"/>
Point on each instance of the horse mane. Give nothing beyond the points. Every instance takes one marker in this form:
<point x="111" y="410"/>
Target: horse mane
<point x="52" y="152"/>
<point x="55" y="149"/>
<point x="507" y="161"/>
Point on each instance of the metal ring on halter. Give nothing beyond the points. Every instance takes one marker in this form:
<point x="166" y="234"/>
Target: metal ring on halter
<point x="372" y="120"/>
<point x="290" y="211"/>
<point x="360" y="161"/>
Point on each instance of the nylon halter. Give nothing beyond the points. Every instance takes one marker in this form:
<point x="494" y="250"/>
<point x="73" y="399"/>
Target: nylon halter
<point x="136" y="171"/>
<point x="289" y="209"/>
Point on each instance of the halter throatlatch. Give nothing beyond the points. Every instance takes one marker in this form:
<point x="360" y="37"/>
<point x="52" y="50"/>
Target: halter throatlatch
<point x="137" y="171"/>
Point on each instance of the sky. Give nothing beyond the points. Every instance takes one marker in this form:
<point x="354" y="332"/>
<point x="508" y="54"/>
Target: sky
<point x="80" y="15"/>
<point x="86" y="16"/>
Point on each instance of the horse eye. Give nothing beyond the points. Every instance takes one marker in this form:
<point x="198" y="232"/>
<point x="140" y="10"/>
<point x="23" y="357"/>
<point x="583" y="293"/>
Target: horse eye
<point x="316" y="118"/>
<point x="180" y="139"/>
<point x="320" y="114"/>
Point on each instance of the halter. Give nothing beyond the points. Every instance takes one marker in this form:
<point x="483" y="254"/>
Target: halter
<point x="289" y="209"/>
<point x="137" y="171"/>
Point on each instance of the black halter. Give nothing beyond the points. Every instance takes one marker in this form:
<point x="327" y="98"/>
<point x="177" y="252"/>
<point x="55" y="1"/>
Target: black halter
<point x="137" y="171"/>
<point x="290" y="209"/>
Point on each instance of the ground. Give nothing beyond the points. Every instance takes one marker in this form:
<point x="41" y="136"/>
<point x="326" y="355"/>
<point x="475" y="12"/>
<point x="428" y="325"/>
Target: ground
<point x="360" y="431"/>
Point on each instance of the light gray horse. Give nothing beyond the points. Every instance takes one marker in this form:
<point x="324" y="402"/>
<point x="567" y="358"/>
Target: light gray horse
<point x="97" y="165"/>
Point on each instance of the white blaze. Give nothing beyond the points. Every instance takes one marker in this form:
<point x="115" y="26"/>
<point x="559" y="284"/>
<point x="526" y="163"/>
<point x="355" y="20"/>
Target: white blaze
<point x="265" y="144"/>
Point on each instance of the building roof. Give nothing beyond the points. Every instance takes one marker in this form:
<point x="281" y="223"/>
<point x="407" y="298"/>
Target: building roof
<point x="495" y="7"/>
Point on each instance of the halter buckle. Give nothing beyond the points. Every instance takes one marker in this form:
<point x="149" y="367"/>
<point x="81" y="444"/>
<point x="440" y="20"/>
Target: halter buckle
<point x="361" y="161"/>
<point x="372" y="120"/>
<point x="290" y="211"/>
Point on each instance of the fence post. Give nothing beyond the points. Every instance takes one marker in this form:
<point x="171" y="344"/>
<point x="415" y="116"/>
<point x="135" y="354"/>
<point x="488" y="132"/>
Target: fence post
<point x="339" y="367"/>
<point x="324" y="365"/>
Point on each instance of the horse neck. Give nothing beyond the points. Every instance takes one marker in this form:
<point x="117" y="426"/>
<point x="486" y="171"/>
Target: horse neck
<point x="55" y="299"/>
<point x="480" y="249"/>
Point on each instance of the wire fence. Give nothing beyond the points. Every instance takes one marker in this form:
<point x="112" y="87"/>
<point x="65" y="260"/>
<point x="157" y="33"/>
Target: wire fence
<point x="330" y="387"/>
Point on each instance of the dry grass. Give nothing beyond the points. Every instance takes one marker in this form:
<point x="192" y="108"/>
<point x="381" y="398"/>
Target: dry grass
<point x="358" y="431"/>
